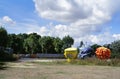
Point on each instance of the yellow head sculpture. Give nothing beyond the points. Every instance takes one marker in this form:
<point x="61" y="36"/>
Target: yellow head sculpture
<point x="70" y="54"/>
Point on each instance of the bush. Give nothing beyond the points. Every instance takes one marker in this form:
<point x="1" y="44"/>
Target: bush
<point x="7" y="57"/>
<point x="115" y="48"/>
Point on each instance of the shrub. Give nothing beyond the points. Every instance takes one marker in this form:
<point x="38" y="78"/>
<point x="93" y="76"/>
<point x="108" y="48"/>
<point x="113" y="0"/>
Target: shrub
<point x="115" y="48"/>
<point x="7" y="57"/>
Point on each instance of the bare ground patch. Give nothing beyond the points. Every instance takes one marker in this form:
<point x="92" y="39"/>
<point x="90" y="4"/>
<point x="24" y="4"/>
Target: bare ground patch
<point x="27" y="70"/>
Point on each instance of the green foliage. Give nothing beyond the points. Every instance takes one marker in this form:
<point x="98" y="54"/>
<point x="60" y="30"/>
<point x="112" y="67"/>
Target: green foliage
<point x="3" y="65"/>
<point x="115" y="48"/>
<point x="107" y="46"/>
<point x="7" y="57"/>
<point x="47" y="45"/>
<point x="34" y="43"/>
<point x="3" y="44"/>
<point x="31" y="43"/>
<point x="94" y="47"/>
<point x="3" y="37"/>
<point x="16" y="43"/>
<point x="58" y="43"/>
<point x="67" y="41"/>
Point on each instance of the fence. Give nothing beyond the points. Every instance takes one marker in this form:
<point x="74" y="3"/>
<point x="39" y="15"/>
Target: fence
<point x="50" y="55"/>
<point x="42" y="55"/>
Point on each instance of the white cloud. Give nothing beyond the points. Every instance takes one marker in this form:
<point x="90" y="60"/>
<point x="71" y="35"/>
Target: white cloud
<point x="105" y="38"/>
<point x="7" y="23"/>
<point x="74" y="10"/>
<point x="7" y="19"/>
<point x="81" y="15"/>
<point x="84" y="18"/>
<point x="116" y="36"/>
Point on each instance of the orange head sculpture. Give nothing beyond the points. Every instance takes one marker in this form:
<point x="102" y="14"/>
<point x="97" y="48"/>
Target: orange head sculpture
<point x="103" y="53"/>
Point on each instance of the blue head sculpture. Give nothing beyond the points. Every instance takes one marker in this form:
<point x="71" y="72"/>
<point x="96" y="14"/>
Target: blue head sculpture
<point x="85" y="52"/>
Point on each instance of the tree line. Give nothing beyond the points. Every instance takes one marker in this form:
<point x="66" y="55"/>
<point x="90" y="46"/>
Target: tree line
<point x="33" y="43"/>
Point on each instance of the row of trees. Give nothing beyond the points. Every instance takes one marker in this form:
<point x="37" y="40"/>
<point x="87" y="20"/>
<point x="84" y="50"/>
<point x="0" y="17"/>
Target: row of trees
<point x="33" y="43"/>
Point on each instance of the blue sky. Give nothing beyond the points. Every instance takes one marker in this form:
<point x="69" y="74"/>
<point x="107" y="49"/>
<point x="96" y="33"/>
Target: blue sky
<point x="90" y="21"/>
<point x="17" y="9"/>
<point x="115" y="23"/>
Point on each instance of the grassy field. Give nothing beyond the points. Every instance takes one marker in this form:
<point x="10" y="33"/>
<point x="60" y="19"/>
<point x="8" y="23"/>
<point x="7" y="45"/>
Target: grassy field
<point x="58" y="70"/>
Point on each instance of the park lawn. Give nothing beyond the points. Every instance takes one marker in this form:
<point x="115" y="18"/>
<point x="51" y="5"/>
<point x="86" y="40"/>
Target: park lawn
<point x="57" y="70"/>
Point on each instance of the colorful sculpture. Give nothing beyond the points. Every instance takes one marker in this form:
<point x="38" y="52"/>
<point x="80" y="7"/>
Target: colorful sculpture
<point x="70" y="54"/>
<point x="85" y="52"/>
<point x="103" y="53"/>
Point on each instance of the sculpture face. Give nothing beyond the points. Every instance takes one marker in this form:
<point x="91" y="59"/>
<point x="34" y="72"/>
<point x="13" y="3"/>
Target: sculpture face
<point x="70" y="54"/>
<point x="103" y="53"/>
<point x="85" y="52"/>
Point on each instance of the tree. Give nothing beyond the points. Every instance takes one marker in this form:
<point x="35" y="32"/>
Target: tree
<point x="35" y="35"/>
<point x="3" y="37"/>
<point x="4" y="56"/>
<point x="16" y="43"/>
<point x="3" y="43"/>
<point x="31" y="44"/>
<point x="94" y="47"/>
<point x="58" y="43"/>
<point x="81" y="44"/>
<point x="67" y="42"/>
<point x="107" y="46"/>
<point x="46" y="43"/>
<point x="115" y="48"/>
<point x="23" y="36"/>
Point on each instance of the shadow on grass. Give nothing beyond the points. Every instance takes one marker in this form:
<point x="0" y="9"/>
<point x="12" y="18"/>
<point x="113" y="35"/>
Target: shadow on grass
<point x="3" y="66"/>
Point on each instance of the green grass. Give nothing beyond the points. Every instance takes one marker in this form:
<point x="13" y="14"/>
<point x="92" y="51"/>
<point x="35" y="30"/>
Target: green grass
<point x="2" y="76"/>
<point x="90" y="61"/>
<point x="3" y="65"/>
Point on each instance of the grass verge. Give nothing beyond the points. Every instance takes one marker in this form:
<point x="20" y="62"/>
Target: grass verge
<point x="90" y="61"/>
<point x="3" y="66"/>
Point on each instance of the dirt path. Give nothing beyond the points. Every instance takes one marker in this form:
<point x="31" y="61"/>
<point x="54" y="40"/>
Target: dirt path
<point x="24" y="70"/>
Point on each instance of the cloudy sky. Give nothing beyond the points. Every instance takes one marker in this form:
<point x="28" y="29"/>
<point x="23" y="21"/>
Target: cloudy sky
<point x="91" y="21"/>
